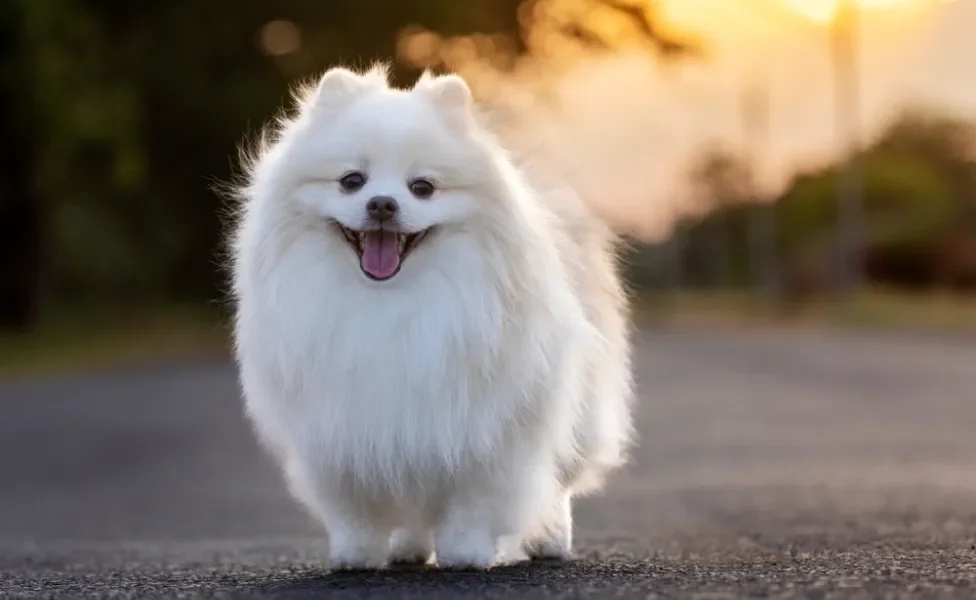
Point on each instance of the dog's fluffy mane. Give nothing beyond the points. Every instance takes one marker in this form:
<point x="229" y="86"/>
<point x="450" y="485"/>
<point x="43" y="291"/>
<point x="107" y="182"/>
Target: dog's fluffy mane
<point x="505" y="348"/>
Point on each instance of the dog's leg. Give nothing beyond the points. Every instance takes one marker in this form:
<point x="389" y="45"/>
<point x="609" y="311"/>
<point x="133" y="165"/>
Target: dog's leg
<point x="356" y="540"/>
<point x="356" y="544"/>
<point x="359" y="533"/>
<point x="485" y="509"/>
<point x="557" y="541"/>
<point x="411" y="545"/>
<point x="465" y="538"/>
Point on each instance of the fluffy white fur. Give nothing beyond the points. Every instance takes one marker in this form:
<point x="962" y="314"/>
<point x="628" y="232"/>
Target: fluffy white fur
<point x="466" y="400"/>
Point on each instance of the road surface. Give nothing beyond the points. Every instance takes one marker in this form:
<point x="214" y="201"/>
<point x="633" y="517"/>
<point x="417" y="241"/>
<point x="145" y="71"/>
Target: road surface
<point x="797" y="464"/>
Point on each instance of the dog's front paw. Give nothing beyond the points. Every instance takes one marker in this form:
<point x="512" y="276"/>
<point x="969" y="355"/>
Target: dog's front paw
<point x="469" y="550"/>
<point x="355" y="552"/>
<point x="510" y="551"/>
<point x="552" y="548"/>
<point x="410" y="547"/>
<point x="557" y="543"/>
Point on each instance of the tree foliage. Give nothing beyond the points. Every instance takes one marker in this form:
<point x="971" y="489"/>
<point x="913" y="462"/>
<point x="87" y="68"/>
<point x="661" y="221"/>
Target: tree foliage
<point x="127" y="113"/>
<point x="918" y="180"/>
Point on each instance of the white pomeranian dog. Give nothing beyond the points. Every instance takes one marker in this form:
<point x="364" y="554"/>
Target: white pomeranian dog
<point x="436" y="354"/>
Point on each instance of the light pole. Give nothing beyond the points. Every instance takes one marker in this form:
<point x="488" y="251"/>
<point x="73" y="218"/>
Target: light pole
<point x="844" y="44"/>
<point x="849" y="185"/>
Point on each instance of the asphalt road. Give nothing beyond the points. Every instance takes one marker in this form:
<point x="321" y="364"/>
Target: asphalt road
<point x="772" y="464"/>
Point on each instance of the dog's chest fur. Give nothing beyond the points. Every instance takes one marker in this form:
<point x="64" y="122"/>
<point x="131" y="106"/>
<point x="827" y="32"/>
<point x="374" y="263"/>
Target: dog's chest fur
<point x="421" y="383"/>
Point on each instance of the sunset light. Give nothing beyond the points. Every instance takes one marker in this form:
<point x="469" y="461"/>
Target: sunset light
<point x="824" y="10"/>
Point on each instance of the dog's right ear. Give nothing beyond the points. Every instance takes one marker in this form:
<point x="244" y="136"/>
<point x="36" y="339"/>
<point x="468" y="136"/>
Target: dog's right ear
<point x="450" y="93"/>
<point x="340" y="86"/>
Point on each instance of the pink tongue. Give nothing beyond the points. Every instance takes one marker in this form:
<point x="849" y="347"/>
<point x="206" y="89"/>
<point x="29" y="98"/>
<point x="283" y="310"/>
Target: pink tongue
<point x="381" y="256"/>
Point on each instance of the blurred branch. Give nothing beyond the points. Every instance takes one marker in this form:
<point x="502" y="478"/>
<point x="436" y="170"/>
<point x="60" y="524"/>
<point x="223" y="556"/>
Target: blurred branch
<point x="642" y="17"/>
<point x="585" y="37"/>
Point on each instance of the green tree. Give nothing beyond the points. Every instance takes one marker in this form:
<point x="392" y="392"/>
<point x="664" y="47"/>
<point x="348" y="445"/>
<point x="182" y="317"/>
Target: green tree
<point x="945" y="141"/>
<point x="128" y="113"/>
<point x="905" y="200"/>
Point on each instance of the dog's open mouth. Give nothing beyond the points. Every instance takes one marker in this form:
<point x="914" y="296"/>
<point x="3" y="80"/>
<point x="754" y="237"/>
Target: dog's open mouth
<point x="381" y="251"/>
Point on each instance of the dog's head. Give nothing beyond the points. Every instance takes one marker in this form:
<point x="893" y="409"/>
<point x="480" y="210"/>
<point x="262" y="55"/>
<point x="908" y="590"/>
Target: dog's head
<point x="389" y="172"/>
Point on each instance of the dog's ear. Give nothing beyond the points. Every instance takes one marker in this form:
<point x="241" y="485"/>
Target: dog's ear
<point x="339" y="86"/>
<point x="450" y="93"/>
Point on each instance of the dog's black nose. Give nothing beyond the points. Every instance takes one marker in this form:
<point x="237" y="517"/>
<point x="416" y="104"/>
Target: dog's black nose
<point x="382" y="208"/>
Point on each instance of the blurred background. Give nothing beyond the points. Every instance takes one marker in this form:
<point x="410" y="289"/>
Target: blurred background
<point x="796" y="181"/>
<point x="767" y="159"/>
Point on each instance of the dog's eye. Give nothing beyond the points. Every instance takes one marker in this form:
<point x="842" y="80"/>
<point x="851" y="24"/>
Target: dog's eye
<point x="351" y="182"/>
<point x="421" y="188"/>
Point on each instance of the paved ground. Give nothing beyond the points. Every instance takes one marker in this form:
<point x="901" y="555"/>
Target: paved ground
<point x="773" y="464"/>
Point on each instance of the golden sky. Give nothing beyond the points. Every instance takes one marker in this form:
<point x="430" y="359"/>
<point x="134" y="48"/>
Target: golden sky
<point x="624" y="127"/>
<point x="623" y="110"/>
<point x="919" y="50"/>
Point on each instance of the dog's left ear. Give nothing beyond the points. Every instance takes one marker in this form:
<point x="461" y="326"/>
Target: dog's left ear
<point x="340" y="86"/>
<point x="450" y="93"/>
